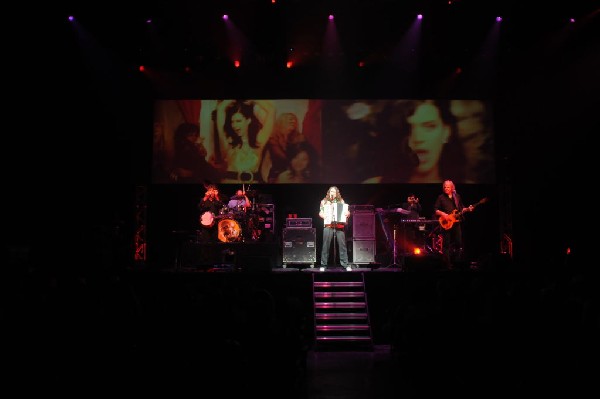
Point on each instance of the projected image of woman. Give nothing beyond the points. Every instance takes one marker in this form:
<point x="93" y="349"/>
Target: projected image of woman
<point x="430" y="150"/>
<point x="475" y="133"/>
<point x="244" y="128"/>
<point x="302" y="165"/>
<point x="432" y="135"/>
<point x="286" y="132"/>
<point x="189" y="160"/>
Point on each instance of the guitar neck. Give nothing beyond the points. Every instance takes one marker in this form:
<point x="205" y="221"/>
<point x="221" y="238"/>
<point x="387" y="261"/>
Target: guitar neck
<point x="467" y="208"/>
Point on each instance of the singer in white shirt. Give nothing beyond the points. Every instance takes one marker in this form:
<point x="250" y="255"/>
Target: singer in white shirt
<point x="334" y="212"/>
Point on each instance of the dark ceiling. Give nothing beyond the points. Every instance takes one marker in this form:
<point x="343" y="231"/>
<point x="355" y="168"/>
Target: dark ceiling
<point x="532" y="39"/>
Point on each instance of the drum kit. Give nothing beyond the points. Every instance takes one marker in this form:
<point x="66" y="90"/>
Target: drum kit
<point x="237" y="221"/>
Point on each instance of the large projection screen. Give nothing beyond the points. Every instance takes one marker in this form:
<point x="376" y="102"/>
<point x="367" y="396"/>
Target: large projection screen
<point x="290" y="141"/>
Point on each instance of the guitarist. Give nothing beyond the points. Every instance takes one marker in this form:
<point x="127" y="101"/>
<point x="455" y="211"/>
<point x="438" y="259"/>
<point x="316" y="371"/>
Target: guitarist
<point x="450" y="208"/>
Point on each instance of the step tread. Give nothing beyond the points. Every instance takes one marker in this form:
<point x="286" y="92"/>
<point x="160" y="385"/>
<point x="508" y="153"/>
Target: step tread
<point x="326" y="284"/>
<point x="340" y="294"/>
<point x="325" y="316"/>
<point x="343" y="338"/>
<point x="337" y="327"/>
<point x="331" y="305"/>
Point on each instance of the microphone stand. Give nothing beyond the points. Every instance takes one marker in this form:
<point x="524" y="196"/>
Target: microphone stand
<point x="334" y="225"/>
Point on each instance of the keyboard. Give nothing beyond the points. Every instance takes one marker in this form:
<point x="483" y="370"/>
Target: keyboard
<point x="394" y="210"/>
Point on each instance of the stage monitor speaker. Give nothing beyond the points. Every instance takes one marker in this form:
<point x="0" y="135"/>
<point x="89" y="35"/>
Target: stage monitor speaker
<point x="363" y="226"/>
<point x="299" y="245"/>
<point x="363" y="251"/>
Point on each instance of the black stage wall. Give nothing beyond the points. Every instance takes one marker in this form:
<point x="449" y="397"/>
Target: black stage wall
<point x="251" y="256"/>
<point x="388" y="291"/>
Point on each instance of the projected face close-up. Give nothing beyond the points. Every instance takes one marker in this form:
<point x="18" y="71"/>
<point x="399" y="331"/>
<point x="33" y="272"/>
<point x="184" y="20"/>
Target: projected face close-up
<point x="428" y="134"/>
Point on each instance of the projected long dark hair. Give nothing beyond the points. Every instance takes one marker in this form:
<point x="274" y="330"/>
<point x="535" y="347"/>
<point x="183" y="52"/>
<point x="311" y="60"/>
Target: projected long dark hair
<point x="452" y="158"/>
<point x="246" y="109"/>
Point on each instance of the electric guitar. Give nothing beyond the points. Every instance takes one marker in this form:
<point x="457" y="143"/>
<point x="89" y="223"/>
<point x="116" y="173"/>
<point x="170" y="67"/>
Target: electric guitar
<point x="455" y="216"/>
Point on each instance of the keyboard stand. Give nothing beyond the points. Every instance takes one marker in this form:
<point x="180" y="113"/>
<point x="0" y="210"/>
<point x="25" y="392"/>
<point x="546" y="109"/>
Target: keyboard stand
<point x="395" y="264"/>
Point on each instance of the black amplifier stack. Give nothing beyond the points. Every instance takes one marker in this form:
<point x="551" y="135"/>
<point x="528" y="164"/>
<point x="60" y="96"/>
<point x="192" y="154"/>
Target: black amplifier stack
<point x="363" y="233"/>
<point x="299" y="242"/>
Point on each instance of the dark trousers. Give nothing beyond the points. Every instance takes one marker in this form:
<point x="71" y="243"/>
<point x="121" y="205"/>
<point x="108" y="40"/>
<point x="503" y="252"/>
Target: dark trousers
<point x="452" y="244"/>
<point x="328" y="234"/>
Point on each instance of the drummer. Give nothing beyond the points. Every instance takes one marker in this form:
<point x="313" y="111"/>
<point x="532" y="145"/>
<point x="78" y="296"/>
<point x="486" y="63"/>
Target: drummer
<point x="239" y="202"/>
<point x="209" y="208"/>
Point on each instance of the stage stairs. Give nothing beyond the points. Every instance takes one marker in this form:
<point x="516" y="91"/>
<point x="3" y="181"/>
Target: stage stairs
<point x="341" y="311"/>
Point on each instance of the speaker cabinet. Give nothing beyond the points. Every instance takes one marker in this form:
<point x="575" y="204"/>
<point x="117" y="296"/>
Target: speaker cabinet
<point x="363" y="251"/>
<point x="363" y="226"/>
<point x="299" y="245"/>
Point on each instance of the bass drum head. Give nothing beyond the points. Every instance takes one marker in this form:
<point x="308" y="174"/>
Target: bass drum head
<point x="207" y="219"/>
<point x="229" y="230"/>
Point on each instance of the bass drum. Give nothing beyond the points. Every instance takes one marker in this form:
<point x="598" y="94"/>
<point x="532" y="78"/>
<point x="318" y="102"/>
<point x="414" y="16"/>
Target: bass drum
<point x="207" y="219"/>
<point x="229" y="231"/>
